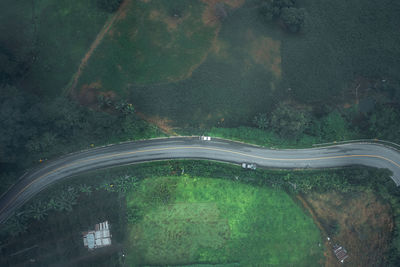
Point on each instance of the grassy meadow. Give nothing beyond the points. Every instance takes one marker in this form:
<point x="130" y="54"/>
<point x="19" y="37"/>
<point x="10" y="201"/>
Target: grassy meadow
<point x="183" y="220"/>
<point x="227" y="70"/>
<point x="52" y="35"/>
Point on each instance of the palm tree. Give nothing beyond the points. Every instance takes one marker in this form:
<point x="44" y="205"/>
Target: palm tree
<point x="66" y="199"/>
<point x="38" y="210"/>
<point x="52" y="204"/>
<point x="15" y="225"/>
<point x="85" y="189"/>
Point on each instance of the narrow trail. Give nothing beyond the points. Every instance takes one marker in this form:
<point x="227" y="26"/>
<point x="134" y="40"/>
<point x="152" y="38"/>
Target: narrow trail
<point x="120" y="13"/>
<point x="328" y="254"/>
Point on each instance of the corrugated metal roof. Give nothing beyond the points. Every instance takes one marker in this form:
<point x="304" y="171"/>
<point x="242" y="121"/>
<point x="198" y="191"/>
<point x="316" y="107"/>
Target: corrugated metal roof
<point x="99" y="238"/>
<point x="90" y="240"/>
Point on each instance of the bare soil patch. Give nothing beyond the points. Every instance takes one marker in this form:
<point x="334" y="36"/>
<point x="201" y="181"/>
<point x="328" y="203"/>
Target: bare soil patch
<point x="209" y="16"/>
<point x="88" y="93"/>
<point x="163" y="123"/>
<point x="358" y="221"/>
<point x="171" y="22"/>
<point x="266" y="51"/>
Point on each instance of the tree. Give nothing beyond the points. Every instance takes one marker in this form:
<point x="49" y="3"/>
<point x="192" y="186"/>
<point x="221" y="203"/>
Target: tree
<point x="85" y="189"/>
<point x="66" y="199"/>
<point x="19" y="122"/>
<point x="266" y="10"/>
<point x="109" y="5"/>
<point x="384" y="123"/>
<point x="124" y="107"/>
<point x="15" y="225"/>
<point x="261" y="121"/>
<point x="279" y="5"/>
<point x="104" y="101"/>
<point x="289" y="121"/>
<point x="38" y="210"/>
<point x="52" y="204"/>
<point x="42" y="143"/>
<point x="334" y="127"/>
<point x="8" y="69"/>
<point x="293" y="18"/>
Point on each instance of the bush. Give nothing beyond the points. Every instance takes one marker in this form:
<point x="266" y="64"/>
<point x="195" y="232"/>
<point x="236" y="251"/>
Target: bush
<point x="293" y="18"/>
<point x="288" y="121"/>
<point x="109" y="5"/>
<point x="261" y="121"/>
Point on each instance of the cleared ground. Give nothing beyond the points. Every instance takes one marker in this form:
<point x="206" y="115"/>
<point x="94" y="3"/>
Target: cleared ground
<point x="183" y="220"/>
<point x="361" y="222"/>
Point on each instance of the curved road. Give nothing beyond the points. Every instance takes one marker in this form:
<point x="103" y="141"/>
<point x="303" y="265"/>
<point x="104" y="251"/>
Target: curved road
<point x="191" y="147"/>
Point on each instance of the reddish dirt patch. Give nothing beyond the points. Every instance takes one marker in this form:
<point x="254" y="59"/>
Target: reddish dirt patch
<point x="220" y="48"/>
<point x="171" y="22"/>
<point x="88" y="94"/>
<point x="266" y="51"/>
<point x="358" y="221"/>
<point x="208" y="15"/>
<point x="163" y="123"/>
<point x="328" y="252"/>
<point x="121" y="12"/>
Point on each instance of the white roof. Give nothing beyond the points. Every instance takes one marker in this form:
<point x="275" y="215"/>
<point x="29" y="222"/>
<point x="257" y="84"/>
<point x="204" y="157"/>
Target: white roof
<point x="106" y="233"/>
<point x="98" y="234"/>
<point x="90" y="240"/>
<point x="99" y="238"/>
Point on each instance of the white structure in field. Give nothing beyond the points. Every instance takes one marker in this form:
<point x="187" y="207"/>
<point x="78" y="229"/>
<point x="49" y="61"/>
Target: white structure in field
<point x="99" y="237"/>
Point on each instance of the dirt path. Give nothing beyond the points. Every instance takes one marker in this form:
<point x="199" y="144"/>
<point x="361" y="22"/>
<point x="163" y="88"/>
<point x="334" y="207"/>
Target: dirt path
<point x="120" y="13"/>
<point x="329" y="257"/>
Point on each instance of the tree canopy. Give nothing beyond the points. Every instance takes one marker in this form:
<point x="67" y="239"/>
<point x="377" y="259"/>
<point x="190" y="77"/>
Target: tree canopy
<point x="288" y="121"/>
<point x="109" y="5"/>
<point x="293" y="18"/>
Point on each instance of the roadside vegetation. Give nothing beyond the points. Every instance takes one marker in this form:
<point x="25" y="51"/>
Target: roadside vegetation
<point x="34" y="130"/>
<point x="295" y="128"/>
<point x="331" y="194"/>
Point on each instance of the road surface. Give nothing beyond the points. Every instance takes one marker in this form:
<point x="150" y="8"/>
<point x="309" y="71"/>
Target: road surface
<point x="33" y="182"/>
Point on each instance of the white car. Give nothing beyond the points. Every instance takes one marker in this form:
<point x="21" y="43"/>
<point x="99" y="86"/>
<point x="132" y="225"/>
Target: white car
<point x="251" y="166"/>
<point x="205" y="138"/>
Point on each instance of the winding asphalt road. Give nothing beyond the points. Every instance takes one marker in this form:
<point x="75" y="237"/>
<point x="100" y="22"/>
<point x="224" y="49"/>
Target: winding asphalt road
<point x="33" y="182"/>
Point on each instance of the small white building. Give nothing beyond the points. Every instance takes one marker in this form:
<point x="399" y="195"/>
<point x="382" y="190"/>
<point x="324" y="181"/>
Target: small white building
<point x="99" y="237"/>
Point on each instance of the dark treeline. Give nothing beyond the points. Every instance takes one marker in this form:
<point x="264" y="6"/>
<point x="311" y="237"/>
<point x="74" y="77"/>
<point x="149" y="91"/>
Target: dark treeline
<point x="34" y="129"/>
<point x="294" y="122"/>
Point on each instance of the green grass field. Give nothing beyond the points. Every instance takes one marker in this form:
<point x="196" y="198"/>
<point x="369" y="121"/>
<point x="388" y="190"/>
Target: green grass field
<point x="185" y="220"/>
